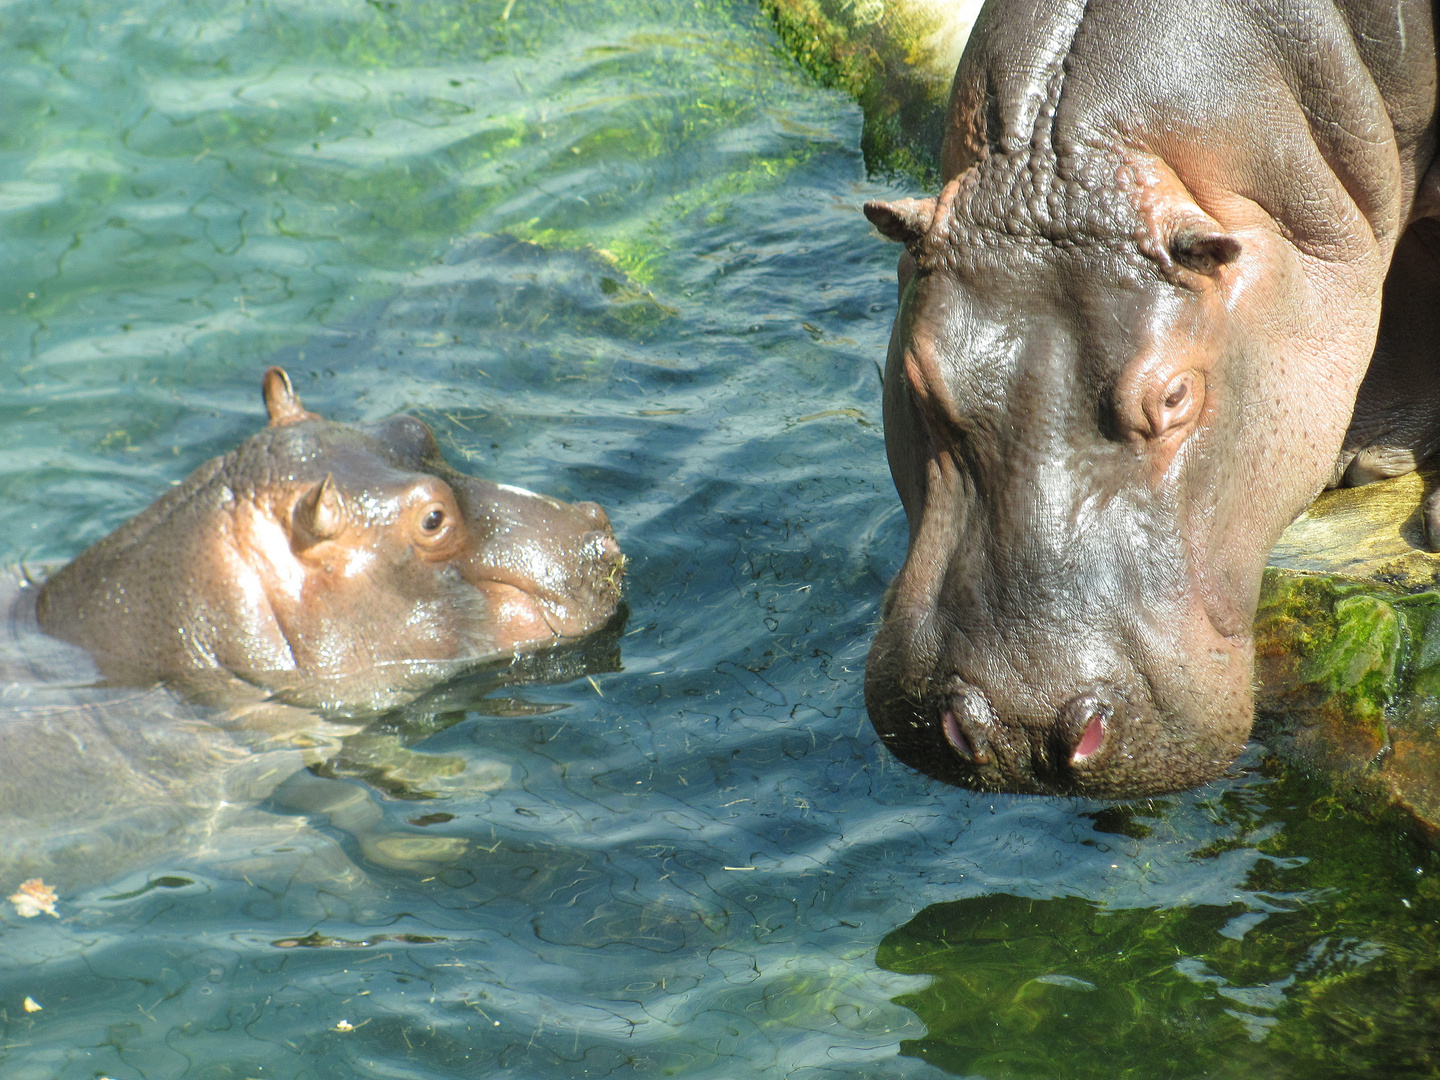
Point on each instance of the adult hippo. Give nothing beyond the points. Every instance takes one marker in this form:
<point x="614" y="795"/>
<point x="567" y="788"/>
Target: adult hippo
<point x="339" y="566"/>
<point x="1137" y="334"/>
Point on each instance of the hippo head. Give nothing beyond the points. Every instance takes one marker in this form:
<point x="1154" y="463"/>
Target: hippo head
<point x="340" y="565"/>
<point x="1098" y="420"/>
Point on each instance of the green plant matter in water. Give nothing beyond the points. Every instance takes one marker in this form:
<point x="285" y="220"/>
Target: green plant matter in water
<point x="270" y="165"/>
<point x="1299" y="975"/>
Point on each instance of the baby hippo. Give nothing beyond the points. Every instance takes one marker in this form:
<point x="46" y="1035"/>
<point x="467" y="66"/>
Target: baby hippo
<point x="335" y="566"/>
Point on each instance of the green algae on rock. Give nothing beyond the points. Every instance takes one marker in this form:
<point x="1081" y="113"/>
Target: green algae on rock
<point x="896" y="58"/>
<point x="1347" y="642"/>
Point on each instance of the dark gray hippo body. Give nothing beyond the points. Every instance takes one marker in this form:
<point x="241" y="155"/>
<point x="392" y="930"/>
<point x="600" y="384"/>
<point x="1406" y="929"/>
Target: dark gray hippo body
<point x="1183" y="276"/>
<point x="341" y="566"/>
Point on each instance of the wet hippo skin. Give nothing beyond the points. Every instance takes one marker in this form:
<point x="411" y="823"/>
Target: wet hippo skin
<point x="1183" y="275"/>
<point x="342" y="566"/>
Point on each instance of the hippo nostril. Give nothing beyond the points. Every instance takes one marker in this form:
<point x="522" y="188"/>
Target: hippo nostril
<point x="607" y="561"/>
<point x="1091" y="740"/>
<point x="605" y="543"/>
<point x="966" y="722"/>
<point x="1088" y="715"/>
<point x="958" y="739"/>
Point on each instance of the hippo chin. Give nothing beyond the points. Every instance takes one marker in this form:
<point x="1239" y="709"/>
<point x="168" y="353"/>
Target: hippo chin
<point x="340" y="566"/>
<point x="1137" y="334"/>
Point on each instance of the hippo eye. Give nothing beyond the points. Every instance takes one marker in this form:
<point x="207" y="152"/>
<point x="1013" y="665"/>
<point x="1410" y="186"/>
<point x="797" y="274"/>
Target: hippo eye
<point x="437" y="527"/>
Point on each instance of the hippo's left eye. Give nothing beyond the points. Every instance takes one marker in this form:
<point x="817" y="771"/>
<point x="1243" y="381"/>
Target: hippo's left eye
<point x="437" y="526"/>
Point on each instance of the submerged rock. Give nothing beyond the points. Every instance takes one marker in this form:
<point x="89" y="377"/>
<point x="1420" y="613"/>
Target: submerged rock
<point x="896" y="58"/>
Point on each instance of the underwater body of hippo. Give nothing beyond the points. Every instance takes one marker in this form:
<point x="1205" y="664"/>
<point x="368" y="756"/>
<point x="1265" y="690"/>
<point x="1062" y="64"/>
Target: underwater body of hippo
<point x="1183" y="275"/>
<point x="341" y="566"/>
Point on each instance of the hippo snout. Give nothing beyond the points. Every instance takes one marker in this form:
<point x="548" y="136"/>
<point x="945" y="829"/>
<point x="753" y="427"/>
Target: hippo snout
<point x="1102" y="737"/>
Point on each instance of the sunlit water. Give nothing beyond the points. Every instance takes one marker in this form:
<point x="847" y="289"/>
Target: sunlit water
<point x="609" y="251"/>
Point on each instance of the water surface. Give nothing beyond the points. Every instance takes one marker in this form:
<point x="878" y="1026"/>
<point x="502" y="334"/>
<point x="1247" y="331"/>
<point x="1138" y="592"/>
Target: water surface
<point x="609" y="250"/>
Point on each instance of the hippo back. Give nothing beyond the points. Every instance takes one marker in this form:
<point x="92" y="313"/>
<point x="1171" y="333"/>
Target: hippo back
<point x="97" y="777"/>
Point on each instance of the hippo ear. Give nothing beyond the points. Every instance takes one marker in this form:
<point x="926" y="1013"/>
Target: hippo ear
<point x="320" y="513"/>
<point x="1204" y="252"/>
<point x="280" y="400"/>
<point x="905" y="220"/>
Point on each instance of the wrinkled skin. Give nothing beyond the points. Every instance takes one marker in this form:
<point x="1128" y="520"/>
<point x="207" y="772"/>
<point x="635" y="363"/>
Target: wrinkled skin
<point x="345" y="567"/>
<point x="1133" y="342"/>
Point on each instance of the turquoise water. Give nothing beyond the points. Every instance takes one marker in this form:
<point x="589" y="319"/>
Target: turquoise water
<point x="609" y="251"/>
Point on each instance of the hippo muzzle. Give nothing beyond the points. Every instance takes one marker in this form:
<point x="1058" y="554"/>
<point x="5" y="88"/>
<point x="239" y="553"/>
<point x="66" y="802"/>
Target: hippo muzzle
<point x="553" y="568"/>
<point x="1055" y="646"/>
<point x="1065" y="732"/>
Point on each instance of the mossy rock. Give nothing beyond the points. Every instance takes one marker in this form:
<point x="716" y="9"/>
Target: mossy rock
<point x="896" y="58"/>
<point x="1347" y="642"/>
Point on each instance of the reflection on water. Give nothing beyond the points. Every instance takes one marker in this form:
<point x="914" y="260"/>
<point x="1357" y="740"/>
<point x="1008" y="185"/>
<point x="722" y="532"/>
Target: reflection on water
<point x="609" y="251"/>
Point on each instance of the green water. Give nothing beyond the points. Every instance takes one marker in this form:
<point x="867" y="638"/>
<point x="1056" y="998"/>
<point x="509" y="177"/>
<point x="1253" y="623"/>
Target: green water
<point x="610" y="251"/>
<point x="1325" y="963"/>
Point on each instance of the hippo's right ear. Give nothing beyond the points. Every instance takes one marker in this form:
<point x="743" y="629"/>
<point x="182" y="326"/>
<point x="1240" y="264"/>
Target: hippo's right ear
<point x="905" y="220"/>
<point x="319" y="514"/>
<point x="280" y="400"/>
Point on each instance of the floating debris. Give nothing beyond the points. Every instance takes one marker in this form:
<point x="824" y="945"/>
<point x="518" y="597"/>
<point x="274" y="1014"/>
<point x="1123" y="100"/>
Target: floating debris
<point x="318" y="940"/>
<point x="344" y="1025"/>
<point x="31" y="1005"/>
<point x="33" y="898"/>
